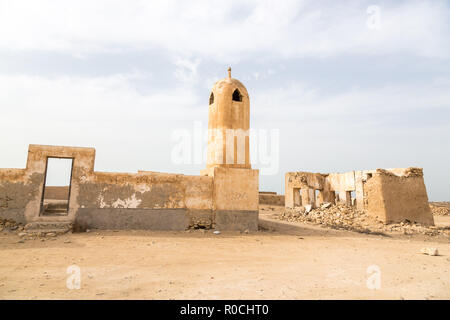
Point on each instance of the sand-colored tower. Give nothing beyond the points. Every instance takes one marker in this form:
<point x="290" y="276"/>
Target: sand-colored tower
<point x="228" y="125"/>
<point x="235" y="184"/>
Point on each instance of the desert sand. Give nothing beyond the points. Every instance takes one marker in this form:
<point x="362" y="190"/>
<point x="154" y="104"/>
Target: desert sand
<point x="284" y="260"/>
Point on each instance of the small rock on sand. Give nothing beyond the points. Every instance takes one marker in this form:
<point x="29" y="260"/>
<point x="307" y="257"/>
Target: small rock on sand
<point x="430" y="251"/>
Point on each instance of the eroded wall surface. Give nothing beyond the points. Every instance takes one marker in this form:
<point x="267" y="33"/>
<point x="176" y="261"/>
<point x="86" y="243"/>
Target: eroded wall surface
<point x="392" y="197"/>
<point x="235" y="198"/>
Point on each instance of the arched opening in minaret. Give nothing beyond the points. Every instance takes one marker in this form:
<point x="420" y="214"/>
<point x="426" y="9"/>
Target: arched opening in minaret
<point x="211" y="98"/>
<point x="237" y="95"/>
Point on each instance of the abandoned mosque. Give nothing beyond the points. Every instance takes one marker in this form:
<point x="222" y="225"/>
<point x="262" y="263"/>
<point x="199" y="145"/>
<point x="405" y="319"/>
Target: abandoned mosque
<point x="225" y="196"/>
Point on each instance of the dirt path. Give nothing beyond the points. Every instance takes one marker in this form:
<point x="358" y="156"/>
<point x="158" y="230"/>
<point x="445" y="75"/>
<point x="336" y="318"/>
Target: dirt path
<point x="286" y="261"/>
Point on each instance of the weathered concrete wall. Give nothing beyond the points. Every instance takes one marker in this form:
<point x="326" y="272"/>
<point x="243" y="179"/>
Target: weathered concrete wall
<point x="17" y="187"/>
<point x="236" y="201"/>
<point x="165" y="201"/>
<point x="227" y="199"/>
<point x="395" y="198"/>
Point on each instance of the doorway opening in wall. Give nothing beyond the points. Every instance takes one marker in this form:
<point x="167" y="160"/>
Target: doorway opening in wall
<point x="316" y="197"/>
<point x="353" y="198"/>
<point x="57" y="185"/>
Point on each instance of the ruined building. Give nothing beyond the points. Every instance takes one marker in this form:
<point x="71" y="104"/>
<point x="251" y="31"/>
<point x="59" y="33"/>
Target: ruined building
<point x="224" y="196"/>
<point x="391" y="195"/>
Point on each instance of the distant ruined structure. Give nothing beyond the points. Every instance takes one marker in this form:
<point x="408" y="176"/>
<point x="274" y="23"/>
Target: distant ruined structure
<point x="391" y="195"/>
<point x="224" y="196"/>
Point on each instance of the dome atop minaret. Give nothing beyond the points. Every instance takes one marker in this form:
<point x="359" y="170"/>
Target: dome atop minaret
<point x="230" y="84"/>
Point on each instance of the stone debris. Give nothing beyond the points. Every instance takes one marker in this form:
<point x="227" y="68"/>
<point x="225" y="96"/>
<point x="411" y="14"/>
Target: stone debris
<point x="9" y="224"/>
<point x="203" y="222"/>
<point x="216" y="232"/>
<point x="430" y="251"/>
<point x="308" y="208"/>
<point x="325" y="205"/>
<point x="344" y="217"/>
<point x="440" y="209"/>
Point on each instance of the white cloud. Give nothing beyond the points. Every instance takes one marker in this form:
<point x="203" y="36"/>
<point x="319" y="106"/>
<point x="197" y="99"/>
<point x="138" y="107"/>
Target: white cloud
<point x="84" y="110"/>
<point x="186" y="70"/>
<point x="224" y="30"/>
<point x="299" y="102"/>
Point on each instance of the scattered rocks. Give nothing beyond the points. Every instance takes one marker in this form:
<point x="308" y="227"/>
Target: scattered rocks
<point x="430" y="251"/>
<point x="325" y="205"/>
<point x="308" y="208"/>
<point x="343" y="217"/>
<point x="9" y="224"/>
<point x="440" y="209"/>
<point x="22" y="234"/>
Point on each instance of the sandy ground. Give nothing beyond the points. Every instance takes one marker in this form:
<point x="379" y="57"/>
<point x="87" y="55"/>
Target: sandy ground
<point x="283" y="261"/>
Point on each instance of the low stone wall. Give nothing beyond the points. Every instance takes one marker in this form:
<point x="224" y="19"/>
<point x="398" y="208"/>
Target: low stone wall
<point x="271" y="198"/>
<point x="56" y="192"/>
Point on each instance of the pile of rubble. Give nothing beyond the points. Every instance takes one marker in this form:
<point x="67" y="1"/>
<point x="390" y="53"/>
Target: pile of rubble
<point x="349" y="218"/>
<point x="10" y="225"/>
<point x="34" y="230"/>
<point x="440" y="210"/>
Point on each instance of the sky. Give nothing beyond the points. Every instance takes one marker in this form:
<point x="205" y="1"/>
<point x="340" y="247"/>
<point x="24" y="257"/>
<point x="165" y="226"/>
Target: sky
<point x="334" y="86"/>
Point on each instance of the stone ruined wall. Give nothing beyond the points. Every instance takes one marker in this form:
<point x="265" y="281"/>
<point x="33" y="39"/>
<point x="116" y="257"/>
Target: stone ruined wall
<point x="57" y="192"/>
<point x="16" y="189"/>
<point x="142" y="200"/>
<point x="147" y="200"/>
<point x="394" y="196"/>
<point x="22" y="188"/>
<point x="235" y="198"/>
<point x="305" y="181"/>
<point x="273" y="199"/>
<point x="391" y="195"/>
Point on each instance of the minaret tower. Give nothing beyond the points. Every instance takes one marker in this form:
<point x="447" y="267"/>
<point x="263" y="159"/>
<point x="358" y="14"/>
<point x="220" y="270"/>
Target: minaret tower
<point x="228" y="125"/>
<point x="234" y="183"/>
